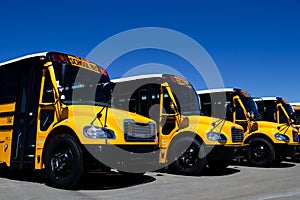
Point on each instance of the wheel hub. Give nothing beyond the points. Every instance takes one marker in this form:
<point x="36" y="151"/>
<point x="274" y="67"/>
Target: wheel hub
<point x="188" y="158"/>
<point x="260" y="152"/>
<point x="60" y="164"/>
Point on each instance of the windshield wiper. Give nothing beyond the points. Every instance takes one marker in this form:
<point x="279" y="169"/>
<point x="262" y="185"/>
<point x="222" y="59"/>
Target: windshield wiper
<point x="217" y="123"/>
<point x="107" y="91"/>
<point x="99" y="114"/>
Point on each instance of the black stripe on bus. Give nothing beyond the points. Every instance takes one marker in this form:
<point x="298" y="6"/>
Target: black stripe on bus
<point x="6" y="114"/>
<point x="9" y="127"/>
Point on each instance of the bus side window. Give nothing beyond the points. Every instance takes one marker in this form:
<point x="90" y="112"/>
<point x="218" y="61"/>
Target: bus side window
<point x="48" y="96"/>
<point x="167" y="103"/>
<point x="47" y="116"/>
<point x="270" y="114"/>
<point x="9" y="84"/>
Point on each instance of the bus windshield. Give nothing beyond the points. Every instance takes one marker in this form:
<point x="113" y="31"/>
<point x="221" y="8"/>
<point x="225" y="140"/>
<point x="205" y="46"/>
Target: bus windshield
<point x="251" y="108"/>
<point x="249" y="104"/>
<point x="79" y="81"/>
<point x="186" y="97"/>
<point x="289" y="109"/>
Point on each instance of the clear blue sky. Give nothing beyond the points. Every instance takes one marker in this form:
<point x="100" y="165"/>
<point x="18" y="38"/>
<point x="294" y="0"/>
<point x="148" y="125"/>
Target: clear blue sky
<point x="255" y="44"/>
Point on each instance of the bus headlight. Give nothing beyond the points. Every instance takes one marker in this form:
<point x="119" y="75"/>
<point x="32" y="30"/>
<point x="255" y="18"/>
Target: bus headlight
<point x="213" y="136"/>
<point x="96" y="132"/>
<point x="281" y="137"/>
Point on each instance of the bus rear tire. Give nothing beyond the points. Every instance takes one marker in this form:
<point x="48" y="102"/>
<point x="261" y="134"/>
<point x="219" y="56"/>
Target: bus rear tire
<point x="187" y="156"/>
<point x="260" y="153"/>
<point x="64" y="162"/>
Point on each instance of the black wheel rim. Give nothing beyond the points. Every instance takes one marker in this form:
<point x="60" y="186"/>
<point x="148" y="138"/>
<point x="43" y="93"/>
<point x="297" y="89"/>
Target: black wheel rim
<point x="61" y="163"/>
<point x="189" y="157"/>
<point x="259" y="151"/>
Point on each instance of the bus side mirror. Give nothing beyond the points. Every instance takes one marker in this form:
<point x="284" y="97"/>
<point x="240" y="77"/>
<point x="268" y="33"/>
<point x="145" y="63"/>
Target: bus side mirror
<point x="172" y="106"/>
<point x="250" y="115"/>
<point x="64" y="113"/>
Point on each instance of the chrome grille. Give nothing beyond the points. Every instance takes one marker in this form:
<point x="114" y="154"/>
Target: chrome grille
<point x="135" y="131"/>
<point x="237" y="135"/>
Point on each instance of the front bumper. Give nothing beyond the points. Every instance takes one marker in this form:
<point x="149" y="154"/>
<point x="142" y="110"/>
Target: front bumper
<point x="129" y="158"/>
<point x="221" y="153"/>
<point x="283" y="150"/>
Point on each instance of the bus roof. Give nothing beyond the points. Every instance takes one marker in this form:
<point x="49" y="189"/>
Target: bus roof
<point x="45" y="54"/>
<point x="24" y="57"/>
<point x="265" y="98"/>
<point x="138" y="77"/>
<point x="156" y="77"/>
<point x="268" y="98"/>
<point x="216" y="90"/>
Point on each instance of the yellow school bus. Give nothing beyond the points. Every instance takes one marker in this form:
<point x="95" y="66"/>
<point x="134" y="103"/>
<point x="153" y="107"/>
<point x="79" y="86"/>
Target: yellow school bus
<point x="268" y="142"/>
<point x="275" y="109"/>
<point x="296" y="115"/>
<point x="188" y="141"/>
<point x="55" y="115"/>
<point x="296" y="107"/>
<point x="279" y="110"/>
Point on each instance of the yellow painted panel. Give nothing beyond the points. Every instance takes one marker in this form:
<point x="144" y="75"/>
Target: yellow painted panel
<point x="6" y="121"/>
<point x="9" y="107"/>
<point x="5" y="146"/>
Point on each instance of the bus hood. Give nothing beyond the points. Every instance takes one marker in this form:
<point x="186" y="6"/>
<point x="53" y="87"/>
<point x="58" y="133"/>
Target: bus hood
<point x="90" y="112"/>
<point x="116" y="121"/>
<point x="205" y="124"/>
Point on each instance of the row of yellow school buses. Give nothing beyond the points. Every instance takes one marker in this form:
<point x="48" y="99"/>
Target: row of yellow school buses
<point x="62" y="115"/>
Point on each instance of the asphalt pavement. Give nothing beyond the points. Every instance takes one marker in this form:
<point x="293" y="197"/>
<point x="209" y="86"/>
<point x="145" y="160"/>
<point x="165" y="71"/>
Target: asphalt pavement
<point x="235" y="182"/>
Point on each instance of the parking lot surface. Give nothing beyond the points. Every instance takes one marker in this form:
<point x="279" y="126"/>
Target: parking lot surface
<point x="235" y="182"/>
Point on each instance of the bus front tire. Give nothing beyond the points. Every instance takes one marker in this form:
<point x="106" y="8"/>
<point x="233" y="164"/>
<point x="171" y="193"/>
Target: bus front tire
<point x="260" y="153"/>
<point x="63" y="162"/>
<point x="187" y="156"/>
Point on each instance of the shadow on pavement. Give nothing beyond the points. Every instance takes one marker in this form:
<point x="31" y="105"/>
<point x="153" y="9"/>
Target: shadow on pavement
<point x="112" y="180"/>
<point x="294" y="159"/>
<point x="210" y="172"/>
<point x="92" y="181"/>
<point x="284" y="164"/>
<point x="21" y="175"/>
<point x="220" y="172"/>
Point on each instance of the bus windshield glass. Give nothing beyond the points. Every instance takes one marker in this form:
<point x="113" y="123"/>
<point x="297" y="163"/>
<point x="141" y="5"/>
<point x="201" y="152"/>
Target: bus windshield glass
<point x="186" y="97"/>
<point x="79" y="81"/>
<point x="249" y="104"/>
<point x="289" y="109"/>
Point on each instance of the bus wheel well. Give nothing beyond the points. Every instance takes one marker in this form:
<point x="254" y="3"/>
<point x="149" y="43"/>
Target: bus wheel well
<point x="258" y="135"/>
<point x="57" y="131"/>
<point x="186" y="135"/>
<point x="186" y="154"/>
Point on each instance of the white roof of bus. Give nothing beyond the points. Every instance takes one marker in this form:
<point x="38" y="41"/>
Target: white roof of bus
<point x="215" y="90"/>
<point x="265" y="98"/>
<point x="295" y="104"/>
<point x="131" y="78"/>
<point x="23" y="57"/>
